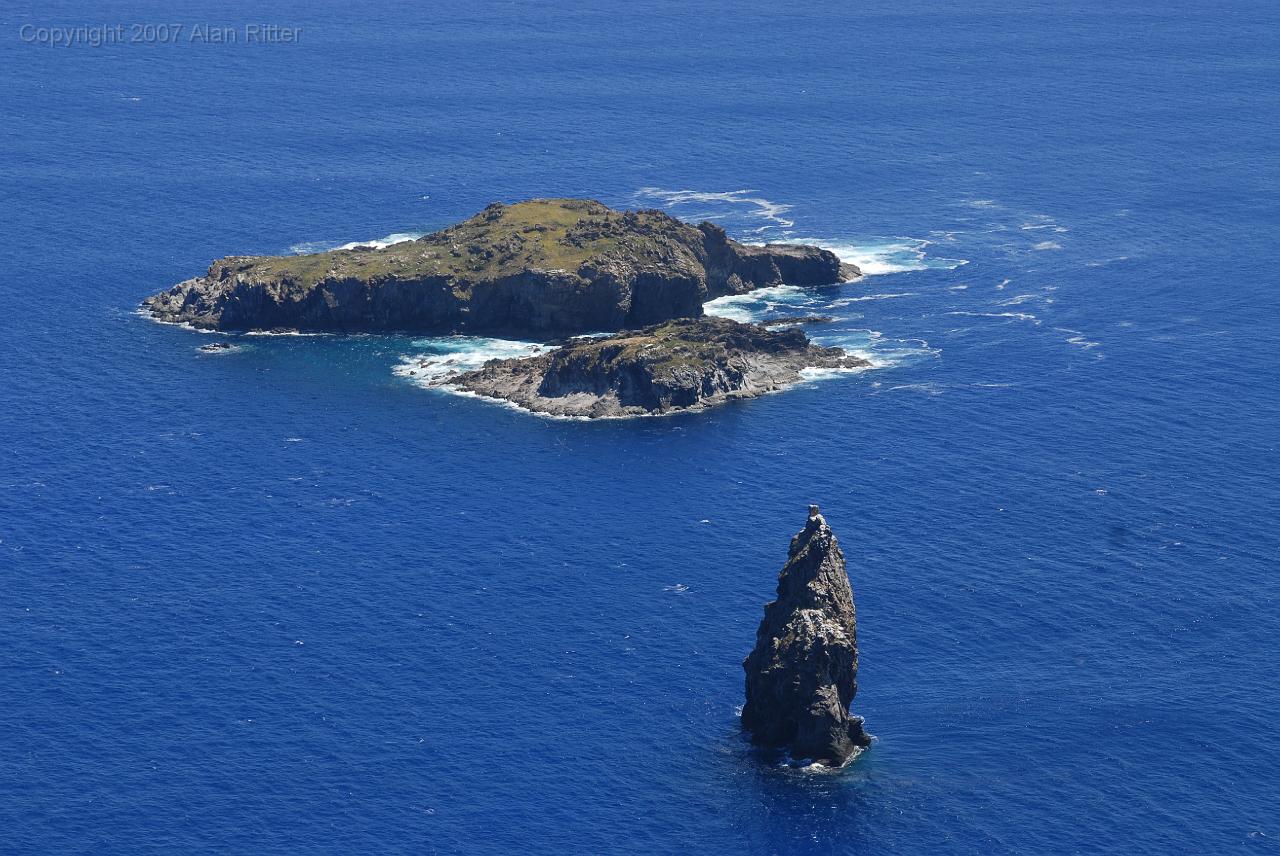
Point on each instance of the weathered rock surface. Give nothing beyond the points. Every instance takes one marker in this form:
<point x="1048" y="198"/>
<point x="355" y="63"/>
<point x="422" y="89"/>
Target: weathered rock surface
<point x="537" y="269"/>
<point x="803" y="673"/>
<point x="681" y="365"/>
<point x="798" y="319"/>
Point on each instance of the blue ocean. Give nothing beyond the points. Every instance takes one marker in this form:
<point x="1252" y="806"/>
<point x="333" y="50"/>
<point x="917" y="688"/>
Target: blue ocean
<point x="286" y="599"/>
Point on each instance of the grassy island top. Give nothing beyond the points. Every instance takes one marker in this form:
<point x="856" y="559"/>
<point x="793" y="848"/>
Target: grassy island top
<point x="502" y="240"/>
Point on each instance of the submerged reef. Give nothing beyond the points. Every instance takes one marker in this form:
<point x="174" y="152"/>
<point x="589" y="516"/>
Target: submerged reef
<point x="537" y="269"/>
<point x="802" y="674"/>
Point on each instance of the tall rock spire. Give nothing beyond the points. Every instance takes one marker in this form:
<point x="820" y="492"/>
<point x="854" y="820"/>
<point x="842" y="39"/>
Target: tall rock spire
<point x="803" y="672"/>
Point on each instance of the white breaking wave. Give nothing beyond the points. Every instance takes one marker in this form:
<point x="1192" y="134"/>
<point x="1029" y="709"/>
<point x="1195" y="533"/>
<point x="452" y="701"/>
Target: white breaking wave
<point x="1021" y="298"/>
<point x="757" y="206"/>
<point x="872" y="346"/>
<point x="845" y="301"/>
<point x="752" y="213"/>
<point x="880" y="256"/>
<point x="143" y="312"/>
<point x="1078" y="338"/>
<point x="757" y="305"/>
<point x="1018" y="316"/>
<point x="814" y="373"/>
<point x="444" y="357"/>
<point x="1042" y="221"/>
<point x="928" y="388"/>
<point x="789" y="300"/>
<point x="377" y="243"/>
<point x="760" y="304"/>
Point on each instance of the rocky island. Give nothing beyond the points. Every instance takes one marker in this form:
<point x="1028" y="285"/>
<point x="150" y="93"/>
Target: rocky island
<point x="680" y="365"/>
<point x="803" y="673"/>
<point x="537" y="269"/>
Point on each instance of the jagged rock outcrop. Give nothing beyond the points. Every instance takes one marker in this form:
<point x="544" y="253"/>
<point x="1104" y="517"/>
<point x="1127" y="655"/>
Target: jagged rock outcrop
<point x="537" y="269"/>
<point x="803" y="673"/>
<point x="681" y="365"/>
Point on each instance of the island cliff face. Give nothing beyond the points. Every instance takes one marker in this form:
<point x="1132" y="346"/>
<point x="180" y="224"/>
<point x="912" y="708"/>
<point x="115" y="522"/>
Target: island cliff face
<point x="540" y="269"/>
<point x="803" y="673"/>
<point x="681" y="365"/>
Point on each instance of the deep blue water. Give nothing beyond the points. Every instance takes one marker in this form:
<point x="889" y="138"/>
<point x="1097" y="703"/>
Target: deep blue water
<point x="285" y="600"/>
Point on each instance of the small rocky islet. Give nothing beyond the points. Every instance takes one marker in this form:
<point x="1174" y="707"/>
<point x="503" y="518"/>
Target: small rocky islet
<point x="802" y="674"/>
<point x="545" y="270"/>
<point x="687" y="364"/>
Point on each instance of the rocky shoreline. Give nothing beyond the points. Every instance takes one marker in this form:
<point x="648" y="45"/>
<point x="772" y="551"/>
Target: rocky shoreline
<point x="687" y="364"/>
<point x="540" y="269"/>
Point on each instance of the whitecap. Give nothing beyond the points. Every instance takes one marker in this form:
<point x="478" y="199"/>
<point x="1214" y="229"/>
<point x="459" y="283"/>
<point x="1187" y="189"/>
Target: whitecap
<point x="1020" y="316"/>
<point x="756" y="207"/>
<point x="1082" y="342"/>
<point x="930" y="389"/>
<point x="847" y="300"/>
<point x="1021" y="298"/>
<point x="1042" y="221"/>
<point x="1047" y="245"/>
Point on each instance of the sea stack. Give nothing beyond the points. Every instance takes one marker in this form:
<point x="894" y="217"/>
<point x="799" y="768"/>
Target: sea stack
<point x="803" y="673"/>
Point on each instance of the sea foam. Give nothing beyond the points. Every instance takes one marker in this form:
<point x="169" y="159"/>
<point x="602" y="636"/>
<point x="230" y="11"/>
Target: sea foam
<point x="880" y="256"/>
<point x="306" y="247"/>
<point x="723" y="205"/>
<point x="444" y="357"/>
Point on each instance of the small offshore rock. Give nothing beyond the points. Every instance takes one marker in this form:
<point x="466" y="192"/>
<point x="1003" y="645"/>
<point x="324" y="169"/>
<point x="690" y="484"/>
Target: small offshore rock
<point x="802" y="674"/>
<point x="798" y="319"/>
<point x="686" y="364"/>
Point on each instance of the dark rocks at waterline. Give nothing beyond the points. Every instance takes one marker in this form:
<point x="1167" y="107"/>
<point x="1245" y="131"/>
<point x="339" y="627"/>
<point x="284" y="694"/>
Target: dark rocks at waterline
<point x="798" y="319"/>
<point x="803" y="672"/>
